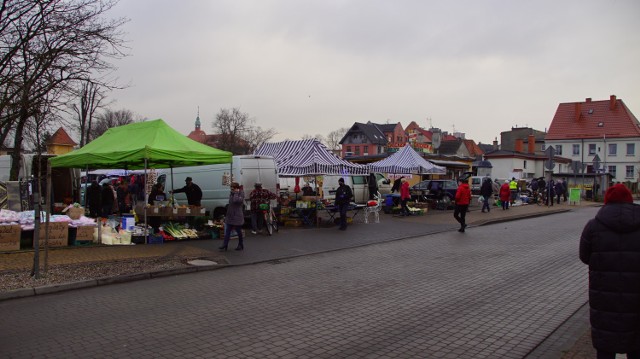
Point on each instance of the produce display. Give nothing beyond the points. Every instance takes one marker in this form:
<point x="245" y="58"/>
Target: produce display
<point x="178" y="231"/>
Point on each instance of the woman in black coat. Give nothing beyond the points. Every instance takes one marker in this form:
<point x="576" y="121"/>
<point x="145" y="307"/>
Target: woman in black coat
<point x="610" y="245"/>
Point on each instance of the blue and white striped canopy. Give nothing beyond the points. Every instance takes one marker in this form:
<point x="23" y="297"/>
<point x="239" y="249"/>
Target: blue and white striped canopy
<point x="406" y="161"/>
<point x="308" y="158"/>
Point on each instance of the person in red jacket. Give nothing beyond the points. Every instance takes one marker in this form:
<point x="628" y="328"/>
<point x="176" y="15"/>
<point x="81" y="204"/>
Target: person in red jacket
<point x="405" y="196"/>
<point x="463" y="198"/>
<point x="505" y="195"/>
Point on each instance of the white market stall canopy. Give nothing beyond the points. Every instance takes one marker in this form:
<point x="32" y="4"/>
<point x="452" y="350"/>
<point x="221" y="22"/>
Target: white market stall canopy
<point x="308" y="158"/>
<point x="406" y="161"/>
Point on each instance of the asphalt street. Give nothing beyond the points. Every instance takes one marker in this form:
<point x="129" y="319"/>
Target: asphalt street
<point x="496" y="291"/>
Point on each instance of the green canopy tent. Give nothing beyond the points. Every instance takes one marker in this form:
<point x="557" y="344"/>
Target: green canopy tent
<point x="142" y="145"/>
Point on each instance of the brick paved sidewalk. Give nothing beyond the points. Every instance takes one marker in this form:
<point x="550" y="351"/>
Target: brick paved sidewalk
<point x="270" y="248"/>
<point x="205" y="248"/>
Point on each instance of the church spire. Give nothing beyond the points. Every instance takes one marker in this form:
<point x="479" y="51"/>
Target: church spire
<point x="198" y="120"/>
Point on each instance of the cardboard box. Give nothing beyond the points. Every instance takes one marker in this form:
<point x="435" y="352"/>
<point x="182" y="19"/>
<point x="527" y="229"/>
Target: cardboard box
<point x="10" y="237"/>
<point x="85" y="233"/>
<point x="58" y="234"/>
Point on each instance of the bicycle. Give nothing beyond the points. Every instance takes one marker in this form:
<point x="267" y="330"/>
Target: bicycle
<point x="270" y="219"/>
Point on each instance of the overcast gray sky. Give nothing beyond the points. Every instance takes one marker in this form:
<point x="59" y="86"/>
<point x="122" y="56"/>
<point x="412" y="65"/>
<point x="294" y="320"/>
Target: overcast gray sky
<point x="310" y="67"/>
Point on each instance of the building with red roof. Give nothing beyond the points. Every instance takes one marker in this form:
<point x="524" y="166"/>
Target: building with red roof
<point x="604" y="135"/>
<point x="60" y="143"/>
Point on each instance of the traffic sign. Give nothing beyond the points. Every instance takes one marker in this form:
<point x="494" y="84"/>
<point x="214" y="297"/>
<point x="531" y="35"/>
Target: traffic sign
<point x="551" y="152"/>
<point x="549" y="164"/>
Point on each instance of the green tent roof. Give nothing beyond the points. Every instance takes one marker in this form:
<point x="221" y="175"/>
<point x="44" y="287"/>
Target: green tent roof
<point x="130" y="145"/>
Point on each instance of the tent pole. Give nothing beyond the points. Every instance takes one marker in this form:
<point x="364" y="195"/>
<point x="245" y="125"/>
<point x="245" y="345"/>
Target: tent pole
<point x="146" y="200"/>
<point x="172" y="199"/>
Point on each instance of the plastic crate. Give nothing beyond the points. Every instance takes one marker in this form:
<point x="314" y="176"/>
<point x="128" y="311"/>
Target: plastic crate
<point x="155" y="239"/>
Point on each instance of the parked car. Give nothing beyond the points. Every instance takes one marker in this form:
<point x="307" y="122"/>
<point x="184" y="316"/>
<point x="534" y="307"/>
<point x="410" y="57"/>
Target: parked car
<point x="429" y="189"/>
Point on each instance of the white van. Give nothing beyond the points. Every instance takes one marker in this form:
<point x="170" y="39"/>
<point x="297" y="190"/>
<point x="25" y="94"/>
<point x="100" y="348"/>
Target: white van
<point x="359" y="186"/>
<point x="214" y="180"/>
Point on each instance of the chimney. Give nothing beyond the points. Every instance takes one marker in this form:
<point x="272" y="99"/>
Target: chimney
<point x="577" y="111"/>
<point x="495" y="143"/>
<point x="588" y="99"/>
<point x="519" y="144"/>
<point x="612" y="102"/>
<point x="531" y="144"/>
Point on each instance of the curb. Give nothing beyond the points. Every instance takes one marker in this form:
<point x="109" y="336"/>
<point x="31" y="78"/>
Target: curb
<point x="63" y="287"/>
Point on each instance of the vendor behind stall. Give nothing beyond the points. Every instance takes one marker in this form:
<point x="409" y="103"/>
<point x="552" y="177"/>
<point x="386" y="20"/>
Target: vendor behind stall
<point x="193" y="192"/>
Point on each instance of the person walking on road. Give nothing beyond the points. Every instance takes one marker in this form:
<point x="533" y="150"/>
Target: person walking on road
<point x="463" y="198"/>
<point x="486" y="191"/>
<point x="505" y="195"/>
<point x="405" y="196"/>
<point x="343" y="198"/>
<point x="193" y="192"/>
<point x="234" y="218"/>
<point x="610" y="245"/>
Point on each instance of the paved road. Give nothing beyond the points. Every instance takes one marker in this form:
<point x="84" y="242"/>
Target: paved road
<point x="496" y="291"/>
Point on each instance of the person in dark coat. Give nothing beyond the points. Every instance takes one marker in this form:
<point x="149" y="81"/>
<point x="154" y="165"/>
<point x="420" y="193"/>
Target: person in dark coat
<point x="396" y="184"/>
<point x="343" y="198"/>
<point x="486" y="191"/>
<point x="122" y="193"/>
<point x="93" y="199"/>
<point x="373" y="186"/>
<point x="234" y="219"/>
<point x="157" y="194"/>
<point x="107" y="200"/>
<point x="559" y="190"/>
<point x="193" y="192"/>
<point x="610" y="245"/>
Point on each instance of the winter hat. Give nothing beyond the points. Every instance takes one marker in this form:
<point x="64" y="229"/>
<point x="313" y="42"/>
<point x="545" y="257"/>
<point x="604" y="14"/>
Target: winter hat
<point x="618" y="194"/>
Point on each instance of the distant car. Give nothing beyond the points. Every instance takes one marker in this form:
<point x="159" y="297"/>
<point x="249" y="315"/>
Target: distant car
<point x="431" y="189"/>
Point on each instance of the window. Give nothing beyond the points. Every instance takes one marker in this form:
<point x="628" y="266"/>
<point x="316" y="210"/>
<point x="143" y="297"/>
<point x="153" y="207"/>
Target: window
<point x="613" y="149"/>
<point x="348" y="149"/>
<point x="629" y="173"/>
<point x="358" y="180"/>
<point x="612" y="171"/>
<point x="524" y="165"/>
<point x="592" y="148"/>
<point x="357" y="150"/>
<point x="631" y="149"/>
<point x="576" y="150"/>
<point x="559" y="150"/>
<point x="543" y="147"/>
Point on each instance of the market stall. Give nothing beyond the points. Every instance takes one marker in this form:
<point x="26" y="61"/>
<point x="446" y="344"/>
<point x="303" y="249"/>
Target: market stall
<point x="306" y="158"/>
<point x="406" y="161"/>
<point x="141" y="146"/>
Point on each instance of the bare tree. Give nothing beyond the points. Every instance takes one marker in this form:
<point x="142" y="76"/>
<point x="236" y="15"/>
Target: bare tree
<point x="91" y="99"/>
<point x="109" y="119"/>
<point x="46" y="45"/>
<point x="256" y="137"/>
<point x="334" y="137"/>
<point x="318" y="137"/>
<point x="236" y="132"/>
